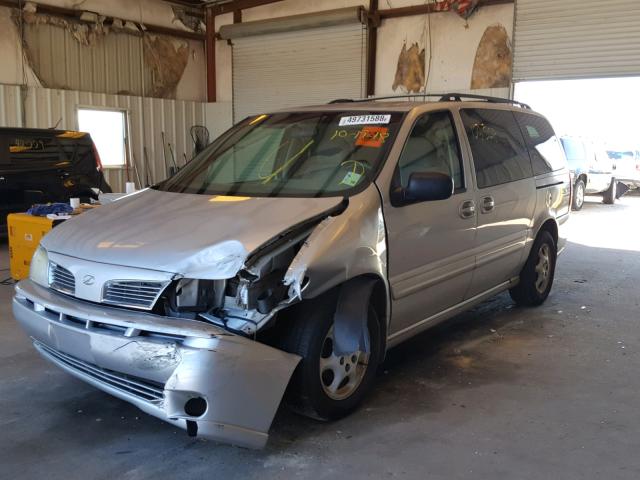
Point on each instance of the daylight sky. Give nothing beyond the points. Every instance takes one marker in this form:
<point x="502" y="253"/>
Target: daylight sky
<point x="605" y="110"/>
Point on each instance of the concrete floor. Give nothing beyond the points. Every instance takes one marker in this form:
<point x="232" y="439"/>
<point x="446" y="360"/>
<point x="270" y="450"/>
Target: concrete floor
<point x="499" y="392"/>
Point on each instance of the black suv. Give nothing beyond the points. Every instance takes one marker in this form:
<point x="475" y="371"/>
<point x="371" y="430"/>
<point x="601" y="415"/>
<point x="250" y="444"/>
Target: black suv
<point x="40" y="165"/>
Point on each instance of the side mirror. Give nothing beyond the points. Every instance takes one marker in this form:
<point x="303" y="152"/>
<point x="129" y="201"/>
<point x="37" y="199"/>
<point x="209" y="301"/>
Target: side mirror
<point x="424" y="187"/>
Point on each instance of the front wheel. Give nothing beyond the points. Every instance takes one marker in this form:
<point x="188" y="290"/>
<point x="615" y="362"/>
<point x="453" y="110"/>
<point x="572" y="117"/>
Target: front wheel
<point x="325" y="385"/>
<point x="537" y="274"/>
<point x="578" y="195"/>
<point x="609" y="196"/>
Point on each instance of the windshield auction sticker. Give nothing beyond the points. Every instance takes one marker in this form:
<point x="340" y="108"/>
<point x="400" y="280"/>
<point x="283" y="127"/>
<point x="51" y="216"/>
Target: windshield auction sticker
<point x="372" y="136"/>
<point x="364" y="120"/>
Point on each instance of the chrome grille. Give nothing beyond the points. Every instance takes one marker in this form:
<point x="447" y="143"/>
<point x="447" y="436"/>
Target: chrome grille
<point x="129" y="293"/>
<point x="61" y="279"/>
<point x="143" y="389"/>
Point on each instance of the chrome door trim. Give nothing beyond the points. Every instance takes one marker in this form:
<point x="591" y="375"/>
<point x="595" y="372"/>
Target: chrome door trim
<point x="488" y="204"/>
<point x="467" y="209"/>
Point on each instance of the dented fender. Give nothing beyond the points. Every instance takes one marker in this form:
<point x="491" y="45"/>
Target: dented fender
<point x="349" y="249"/>
<point x="343" y="247"/>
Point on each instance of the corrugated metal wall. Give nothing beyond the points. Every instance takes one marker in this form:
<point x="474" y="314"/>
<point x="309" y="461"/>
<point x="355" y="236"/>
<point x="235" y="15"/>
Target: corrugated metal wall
<point x="147" y="117"/>
<point x="576" y="39"/>
<point x="112" y="64"/>
<point x="119" y="62"/>
<point x="289" y="69"/>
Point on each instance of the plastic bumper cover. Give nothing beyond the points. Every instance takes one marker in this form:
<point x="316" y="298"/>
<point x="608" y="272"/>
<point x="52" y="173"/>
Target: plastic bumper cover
<point x="159" y="363"/>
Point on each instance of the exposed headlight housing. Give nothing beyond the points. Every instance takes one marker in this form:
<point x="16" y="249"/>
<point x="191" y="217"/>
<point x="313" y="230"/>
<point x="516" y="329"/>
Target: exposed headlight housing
<point x="39" y="268"/>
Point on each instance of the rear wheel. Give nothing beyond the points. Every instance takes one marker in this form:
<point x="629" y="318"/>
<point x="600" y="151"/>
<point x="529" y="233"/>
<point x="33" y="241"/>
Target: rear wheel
<point x="537" y="275"/>
<point x="609" y="196"/>
<point x="326" y="385"/>
<point x="578" y="195"/>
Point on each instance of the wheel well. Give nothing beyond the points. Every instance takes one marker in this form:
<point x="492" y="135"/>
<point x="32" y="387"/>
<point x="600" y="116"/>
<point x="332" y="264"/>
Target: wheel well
<point x="295" y="312"/>
<point x="552" y="227"/>
<point x="379" y="301"/>
<point x="583" y="177"/>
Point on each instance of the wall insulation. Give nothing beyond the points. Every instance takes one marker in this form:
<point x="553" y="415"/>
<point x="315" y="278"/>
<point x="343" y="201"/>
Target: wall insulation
<point x="147" y="118"/>
<point x="64" y="55"/>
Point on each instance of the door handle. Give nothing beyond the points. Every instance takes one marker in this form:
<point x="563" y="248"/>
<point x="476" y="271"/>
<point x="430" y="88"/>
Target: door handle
<point x="488" y="203"/>
<point x="468" y="209"/>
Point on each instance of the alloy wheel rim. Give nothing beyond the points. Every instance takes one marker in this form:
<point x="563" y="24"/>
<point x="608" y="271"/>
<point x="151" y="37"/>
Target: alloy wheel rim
<point x="340" y="376"/>
<point x="543" y="268"/>
<point x="579" y="196"/>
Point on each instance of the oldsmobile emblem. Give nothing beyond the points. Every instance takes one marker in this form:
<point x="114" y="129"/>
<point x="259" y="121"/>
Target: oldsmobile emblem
<point x="88" y="279"/>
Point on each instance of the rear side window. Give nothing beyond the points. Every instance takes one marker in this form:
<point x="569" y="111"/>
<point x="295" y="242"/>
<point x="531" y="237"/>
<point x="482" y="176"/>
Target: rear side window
<point x="432" y="146"/>
<point x="547" y="154"/>
<point x="498" y="149"/>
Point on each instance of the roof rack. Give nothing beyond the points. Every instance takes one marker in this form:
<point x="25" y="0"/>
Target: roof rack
<point x="446" y="97"/>
<point x="457" y="97"/>
<point x="389" y="97"/>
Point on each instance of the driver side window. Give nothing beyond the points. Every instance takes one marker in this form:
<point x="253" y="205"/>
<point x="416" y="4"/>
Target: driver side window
<point x="432" y="146"/>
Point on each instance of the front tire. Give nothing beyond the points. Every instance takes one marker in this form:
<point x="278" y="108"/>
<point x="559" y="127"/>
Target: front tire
<point x="578" y="195"/>
<point x="537" y="274"/>
<point x="326" y="386"/>
<point x="609" y="196"/>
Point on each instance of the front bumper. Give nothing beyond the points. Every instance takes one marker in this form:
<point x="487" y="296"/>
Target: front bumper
<point x="159" y="363"/>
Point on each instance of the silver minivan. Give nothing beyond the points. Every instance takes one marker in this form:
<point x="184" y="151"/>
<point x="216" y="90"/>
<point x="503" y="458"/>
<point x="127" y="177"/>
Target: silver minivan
<point x="287" y="257"/>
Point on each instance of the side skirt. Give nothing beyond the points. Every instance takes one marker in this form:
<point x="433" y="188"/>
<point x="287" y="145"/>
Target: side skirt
<point x="408" y="332"/>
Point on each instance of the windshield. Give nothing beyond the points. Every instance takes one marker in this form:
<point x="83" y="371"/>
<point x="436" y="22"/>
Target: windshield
<point x="310" y="154"/>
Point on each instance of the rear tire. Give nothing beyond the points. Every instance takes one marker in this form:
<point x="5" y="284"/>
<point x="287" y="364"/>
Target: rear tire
<point x="537" y="274"/>
<point x="578" y="195"/>
<point x="310" y="336"/>
<point x="609" y="196"/>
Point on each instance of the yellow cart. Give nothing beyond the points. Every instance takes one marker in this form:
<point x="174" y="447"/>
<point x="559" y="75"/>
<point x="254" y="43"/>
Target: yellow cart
<point x="25" y="232"/>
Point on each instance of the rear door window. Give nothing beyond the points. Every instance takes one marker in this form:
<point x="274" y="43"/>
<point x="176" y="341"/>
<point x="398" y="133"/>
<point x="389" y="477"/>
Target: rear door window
<point x="547" y="154"/>
<point x="498" y="149"/>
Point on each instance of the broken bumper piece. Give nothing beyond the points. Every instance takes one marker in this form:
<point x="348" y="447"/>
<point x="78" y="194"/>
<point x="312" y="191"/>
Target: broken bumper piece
<point x="196" y="376"/>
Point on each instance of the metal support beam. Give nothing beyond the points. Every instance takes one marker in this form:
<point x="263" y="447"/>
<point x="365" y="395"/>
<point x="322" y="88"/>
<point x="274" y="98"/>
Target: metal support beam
<point x="372" y="47"/>
<point x="428" y="8"/>
<point x="210" y="49"/>
<point x="229" y="7"/>
<point x="74" y="14"/>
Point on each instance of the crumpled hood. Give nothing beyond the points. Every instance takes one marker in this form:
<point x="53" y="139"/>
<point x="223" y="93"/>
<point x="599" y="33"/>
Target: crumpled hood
<point x="199" y="236"/>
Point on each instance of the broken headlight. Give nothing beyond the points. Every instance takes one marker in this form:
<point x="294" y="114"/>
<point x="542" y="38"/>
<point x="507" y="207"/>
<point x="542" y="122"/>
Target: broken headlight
<point x="193" y="295"/>
<point x="39" y="268"/>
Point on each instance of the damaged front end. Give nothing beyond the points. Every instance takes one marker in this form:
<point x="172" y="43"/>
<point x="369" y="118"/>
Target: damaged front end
<point x="191" y="358"/>
<point x="177" y="297"/>
<point x="269" y="281"/>
<point x="196" y="376"/>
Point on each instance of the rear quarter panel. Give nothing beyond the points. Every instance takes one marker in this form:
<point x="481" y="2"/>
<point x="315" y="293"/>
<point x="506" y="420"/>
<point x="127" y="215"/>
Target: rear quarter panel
<point x="553" y="202"/>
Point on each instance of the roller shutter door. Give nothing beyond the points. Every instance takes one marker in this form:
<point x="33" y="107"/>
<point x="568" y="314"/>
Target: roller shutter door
<point x="303" y="66"/>
<point x="570" y="39"/>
